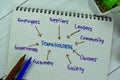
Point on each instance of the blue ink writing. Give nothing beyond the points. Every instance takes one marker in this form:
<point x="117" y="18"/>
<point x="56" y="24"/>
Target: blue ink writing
<point x="97" y="40"/>
<point x="57" y="45"/>
<point x="59" y="20"/>
<point x="27" y="21"/>
<point x="75" y="68"/>
<point x="43" y="62"/>
<point x="82" y="27"/>
<point x="84" y="58"/>
<point x="21" y="48"/>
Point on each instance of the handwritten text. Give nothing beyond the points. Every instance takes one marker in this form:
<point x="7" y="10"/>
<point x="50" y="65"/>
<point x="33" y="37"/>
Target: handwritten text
<point x="43" y="62"/>
<point x="75" y="68"/>
<point x="23" y="48"/>
<point x="27" y="21"/>
<point x="59" y="20"/>
<point x="84" y="58"/>
<point x="97" y="40"/>
<point x="82" y="27"/>
<point x="57" y="45"/>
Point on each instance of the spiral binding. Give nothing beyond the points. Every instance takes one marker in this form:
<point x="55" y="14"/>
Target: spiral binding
<point x="70" y="14"/>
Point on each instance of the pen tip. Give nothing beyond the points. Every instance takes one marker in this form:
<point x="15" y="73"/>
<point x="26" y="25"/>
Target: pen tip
<point x="24" y="55"/>
<point x="30" y="57"/>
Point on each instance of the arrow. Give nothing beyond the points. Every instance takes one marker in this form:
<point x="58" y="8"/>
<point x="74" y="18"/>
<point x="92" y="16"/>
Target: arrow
<point x="49" y="51"/>
<point x="36" y="44"/>
<point x="39" y="34"/>
<point x="59" y="32"/>
<point x="67" y="55"/>
<point x="74" y="51"/>
<point x="68" y="36"/>
<point x="76" y="43"/>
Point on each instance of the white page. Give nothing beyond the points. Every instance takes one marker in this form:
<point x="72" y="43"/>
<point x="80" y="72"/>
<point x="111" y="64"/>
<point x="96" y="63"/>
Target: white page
<point x="25" y="34"/>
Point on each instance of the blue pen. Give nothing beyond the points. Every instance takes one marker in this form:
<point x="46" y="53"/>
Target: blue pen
<point x="23" y="70"/>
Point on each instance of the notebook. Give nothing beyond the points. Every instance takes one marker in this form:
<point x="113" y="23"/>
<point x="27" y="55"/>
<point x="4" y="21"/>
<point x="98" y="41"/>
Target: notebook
<point x="63" y="45"/>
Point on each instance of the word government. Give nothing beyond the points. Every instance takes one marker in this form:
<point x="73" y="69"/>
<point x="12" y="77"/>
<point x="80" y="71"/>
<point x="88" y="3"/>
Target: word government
<point x="23" y="48"/>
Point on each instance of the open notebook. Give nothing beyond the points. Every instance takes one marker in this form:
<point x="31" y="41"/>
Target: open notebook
<point x="63" y="45"/>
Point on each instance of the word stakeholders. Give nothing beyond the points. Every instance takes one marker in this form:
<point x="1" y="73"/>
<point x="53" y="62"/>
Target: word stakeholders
<point x="59" y="20"/>
<point x="28" y="21"/>
<point x="57" y="45"/>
